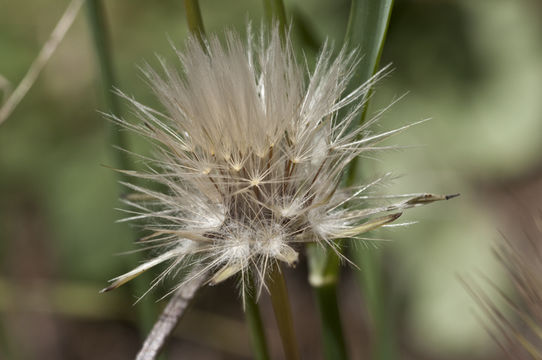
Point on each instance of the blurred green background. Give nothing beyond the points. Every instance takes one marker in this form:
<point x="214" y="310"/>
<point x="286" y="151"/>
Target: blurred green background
<point x="474" y="67"/>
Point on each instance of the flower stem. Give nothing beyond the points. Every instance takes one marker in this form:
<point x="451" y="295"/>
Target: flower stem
<point x="194" y="19"/>
<point x="275" y="11"/>
<point x="379" y="304"/>
<point x="283" y="313"/>
<point x="366" y="31"/>
<point x="252" y="311"/>
<point x="323" y="277"/>
<point x="367" y="28"/>
<point x="169" y="318"/>
<point x="96" y="15"/>
<point x="334" y="346"/>
<point x="254" y="322"/>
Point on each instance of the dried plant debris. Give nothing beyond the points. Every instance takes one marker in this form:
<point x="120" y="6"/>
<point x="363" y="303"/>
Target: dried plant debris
<point x="515" y="319"/>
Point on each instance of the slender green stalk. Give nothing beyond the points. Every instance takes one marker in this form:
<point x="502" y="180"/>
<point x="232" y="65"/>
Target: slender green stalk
<point x="323" y="277"/>
<point x="252" y="311"/>
<point x="194" y="19"/>
<point x="334" y="345"/>
<point x="305" y="30"/>
<point x="322" y="266"/>
<point x="100" y="34"/>
<point x="275" y="11"/>
<point x="96" y="12"/>
<point x="366" y="31"/>
<point x="255" y="325"/>
<point x="379" y="303"/>
<point x="283" y="313"/>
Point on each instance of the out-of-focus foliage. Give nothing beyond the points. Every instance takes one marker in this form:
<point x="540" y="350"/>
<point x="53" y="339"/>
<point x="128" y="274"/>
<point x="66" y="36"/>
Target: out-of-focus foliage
<point x="472" y="66"/>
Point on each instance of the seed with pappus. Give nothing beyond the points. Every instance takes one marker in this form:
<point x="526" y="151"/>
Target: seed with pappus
<point x="251" y="150"/>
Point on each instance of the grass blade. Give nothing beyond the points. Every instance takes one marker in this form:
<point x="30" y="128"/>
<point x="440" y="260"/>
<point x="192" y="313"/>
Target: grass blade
<point x="43" y="57"/>
<point x="324" y="273"/>
<point x="99" y="29"/>
<point x="255" y="326"/>
<point x="366" y="31"/>
<point x="194" y="19"/>
<point x="275" y="10"/>
<point x="283" y="313"/>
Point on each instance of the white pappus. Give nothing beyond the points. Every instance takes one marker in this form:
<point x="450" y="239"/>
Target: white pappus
<point x="251" y="149"/>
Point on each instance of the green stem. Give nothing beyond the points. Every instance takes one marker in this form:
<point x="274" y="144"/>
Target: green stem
<point x="96" y="16"/>
<point x="275" y="11"/>
<point x="283" y="313"/>
<point x="326" y="299"/>
<point x="255" y="325"/>
<point x="367" y="28"/>
<point x="323" y="277"/>
<point x="97" y="19"/>
<point x="305" y="30"/>
<point x="252" y="311"/>
<point x="334" y="346"/>
<point x="366" y="31"/>
<point x="194" y="19"/>
<point x="379" y="303"/>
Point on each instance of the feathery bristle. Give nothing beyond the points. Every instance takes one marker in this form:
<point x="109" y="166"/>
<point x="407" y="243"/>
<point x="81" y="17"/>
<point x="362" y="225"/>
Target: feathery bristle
<point x="252" y="155"/>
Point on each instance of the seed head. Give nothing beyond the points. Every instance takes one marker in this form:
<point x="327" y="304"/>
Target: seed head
<point x="251" y="151"/>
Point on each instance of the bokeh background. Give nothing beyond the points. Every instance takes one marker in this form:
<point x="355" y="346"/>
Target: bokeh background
<point x="473" y="67"/>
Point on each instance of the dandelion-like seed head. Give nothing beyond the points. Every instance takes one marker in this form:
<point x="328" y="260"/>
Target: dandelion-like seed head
<point x="251" y="150"/>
